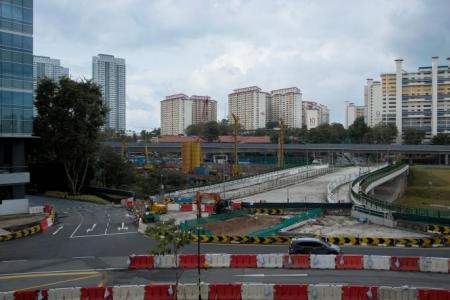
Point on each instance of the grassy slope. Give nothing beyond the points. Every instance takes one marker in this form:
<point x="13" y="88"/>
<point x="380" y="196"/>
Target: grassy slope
<point x="421" y="194"/>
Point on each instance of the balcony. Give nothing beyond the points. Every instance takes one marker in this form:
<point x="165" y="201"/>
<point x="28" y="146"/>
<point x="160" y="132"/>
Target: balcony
<point x="14" y="175"/>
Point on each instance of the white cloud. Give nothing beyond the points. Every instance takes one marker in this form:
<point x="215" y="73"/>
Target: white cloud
<point x="326" y="48"/>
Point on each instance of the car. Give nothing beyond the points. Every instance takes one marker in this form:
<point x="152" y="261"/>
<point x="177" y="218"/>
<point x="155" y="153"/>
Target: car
<point x="312" y="246"/>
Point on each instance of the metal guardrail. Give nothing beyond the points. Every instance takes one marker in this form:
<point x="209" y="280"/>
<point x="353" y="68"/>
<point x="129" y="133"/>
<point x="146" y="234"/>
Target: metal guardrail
<point x="297" y="205"/>
<point x="398" y="211"/>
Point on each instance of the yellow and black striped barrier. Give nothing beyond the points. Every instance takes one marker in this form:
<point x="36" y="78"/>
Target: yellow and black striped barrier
<point x="439" y="229"/>
<point x="337" y="240"/>
<point x="269" y="211"/>
<point x="20" y="233"/>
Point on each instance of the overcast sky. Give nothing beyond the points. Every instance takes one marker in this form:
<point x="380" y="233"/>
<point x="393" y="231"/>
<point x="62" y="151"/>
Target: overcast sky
<point x="325" y="48"/>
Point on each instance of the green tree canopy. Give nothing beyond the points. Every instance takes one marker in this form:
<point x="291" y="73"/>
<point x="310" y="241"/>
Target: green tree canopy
<point x="211" y="131"/>
<point x="441" y="139"/>
<point x="412" y="136"/>
<point x="112" y="170"/>
<point x="70" y="115"/>
<point x="382" y="134"/>
<point x="357" y="131"/>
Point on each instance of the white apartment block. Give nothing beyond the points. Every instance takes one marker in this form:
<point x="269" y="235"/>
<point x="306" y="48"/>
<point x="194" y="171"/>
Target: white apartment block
<point x="44" y="66"/>
<point x="176" y="114"/>
<point x="373" y="100"/>
<point x="109" y="73"/>
<point x="286" y="105"/>
<point x="314" y="114"/>
<point x="204" y="109"/>
<point x="352" y="112"/>
<point x="250" y="104"/>
<point x="419" y="100"/>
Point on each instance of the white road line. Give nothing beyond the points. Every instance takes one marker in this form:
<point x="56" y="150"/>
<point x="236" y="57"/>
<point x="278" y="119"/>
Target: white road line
<point x="91" y="229"/>
<point x="97" y="235"/>
<point x="64" y="271"/>
<point x="75" y="230"/>
<point x="58" y="230"/>
<point x="82" y="257"/>
<point x="273" y="275"/>
<point x="17" y="260"/>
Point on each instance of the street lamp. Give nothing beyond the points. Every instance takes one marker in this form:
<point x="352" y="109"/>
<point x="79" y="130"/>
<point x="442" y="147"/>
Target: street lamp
<point x="198" y="263"/>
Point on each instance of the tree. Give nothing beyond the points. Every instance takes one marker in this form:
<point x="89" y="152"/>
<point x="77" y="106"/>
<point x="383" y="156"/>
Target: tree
<point x="70" y="115"/>
<point x="225" y="128"/>
<point x="271" y="125"/>
<point x="441" y="139"/>
<point x="412" y="136"/>
<point x="211" y="131"/>
<point x="382" y="134"/>
<point x="112" y="170"/>
<point x="194" y="129"/>
<point x="358" y="130"/>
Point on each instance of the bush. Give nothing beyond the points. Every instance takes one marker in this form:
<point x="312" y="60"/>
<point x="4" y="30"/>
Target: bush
<point x="86" y="198"/>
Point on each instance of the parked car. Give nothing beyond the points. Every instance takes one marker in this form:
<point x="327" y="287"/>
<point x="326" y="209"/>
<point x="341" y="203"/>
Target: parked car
<point x="312" y="246"/>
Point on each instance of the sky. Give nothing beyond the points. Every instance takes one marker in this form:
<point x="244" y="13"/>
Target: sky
<point x="325" y="48"/>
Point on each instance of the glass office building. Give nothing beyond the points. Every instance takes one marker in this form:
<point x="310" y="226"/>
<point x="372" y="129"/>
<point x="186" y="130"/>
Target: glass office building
<point x="16" y="101"/>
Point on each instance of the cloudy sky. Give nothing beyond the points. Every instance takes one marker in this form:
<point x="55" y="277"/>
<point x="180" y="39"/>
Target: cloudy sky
<point x="326" y="48"/>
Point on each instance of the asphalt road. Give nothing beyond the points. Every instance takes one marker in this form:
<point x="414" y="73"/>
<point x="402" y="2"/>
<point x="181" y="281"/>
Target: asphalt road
<point x="90" y="244"/>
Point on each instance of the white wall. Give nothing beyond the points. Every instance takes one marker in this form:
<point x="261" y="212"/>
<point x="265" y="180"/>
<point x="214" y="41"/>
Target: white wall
<point x="15" y="206"/>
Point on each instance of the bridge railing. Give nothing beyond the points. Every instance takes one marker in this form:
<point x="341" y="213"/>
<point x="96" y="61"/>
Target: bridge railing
<point x="358" y="193"/>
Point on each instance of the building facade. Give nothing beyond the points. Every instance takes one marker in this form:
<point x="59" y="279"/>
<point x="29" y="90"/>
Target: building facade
<point x="286" y="105"/>
<point x="44" y="66"/>
<point x="419" y="99"/>
<point x="352" y="112"/>
<point x="250" y="104"/>
<point x="204" y="109"/>
<point x="176" y="114"/>
<point x="374" y="102"/>
<point x="109" y="73"/>
<point x="16" y="102"/>
<point x="314" y="114"/>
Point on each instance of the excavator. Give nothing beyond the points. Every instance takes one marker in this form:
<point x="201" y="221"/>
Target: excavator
<point x="220" y="205"/>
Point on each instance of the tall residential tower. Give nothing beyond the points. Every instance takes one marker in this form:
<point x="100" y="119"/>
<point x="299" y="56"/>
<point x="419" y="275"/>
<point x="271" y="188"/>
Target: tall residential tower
<point x="250" y="104"/>
<point x="286" y="104"/>
<point x="109" y="72"/>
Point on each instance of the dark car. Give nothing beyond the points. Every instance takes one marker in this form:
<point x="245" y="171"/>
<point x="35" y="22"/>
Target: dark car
<point x="312" y="246"/>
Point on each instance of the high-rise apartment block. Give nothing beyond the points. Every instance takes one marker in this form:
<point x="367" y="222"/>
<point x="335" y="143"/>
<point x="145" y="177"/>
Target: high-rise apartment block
<point x="44" y="66"/>
<point x="373" y="102"/>
<point x="250" y="104"/>
<point x="286" y="104"/>
<point x="179" y="111"/>
<point x="352" y="112"/>
<point x="204" y="109"/>
<point x="315" y="114"/>
<point x="16" y="102"/>
<point x="419" y="99"/>
<point x="109" y="73"/>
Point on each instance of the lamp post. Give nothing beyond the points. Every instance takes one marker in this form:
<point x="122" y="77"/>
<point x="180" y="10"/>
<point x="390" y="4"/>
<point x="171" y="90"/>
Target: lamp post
<point x="198" y="263"/>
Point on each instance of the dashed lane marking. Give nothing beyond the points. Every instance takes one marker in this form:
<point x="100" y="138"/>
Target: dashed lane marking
<point x="97" y="235"/>
<point x="58" y="230"/>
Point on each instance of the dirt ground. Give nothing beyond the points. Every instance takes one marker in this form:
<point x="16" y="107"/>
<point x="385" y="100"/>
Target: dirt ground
<point x="347" y="226"/>
<point x="15" y="220"/>
<point x="242" y="225"/>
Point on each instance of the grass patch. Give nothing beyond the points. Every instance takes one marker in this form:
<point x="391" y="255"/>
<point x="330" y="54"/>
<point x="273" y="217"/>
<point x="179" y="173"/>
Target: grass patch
<point x="428" y="187"/>
<point x="85" y="198"/>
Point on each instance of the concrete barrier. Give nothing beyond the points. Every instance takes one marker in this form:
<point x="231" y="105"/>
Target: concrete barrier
<point x="376" y="262"/>
<point x="128" y="292"/>
<point x="319" y="261"/>
<point x="434" y="264"/>
<point x="173" y="207"/>
<point x="64" y="293"/>
<point x="260" y="291"/>
<point x="8" y="296"/>
<point x="397" y="293"/>
<point x="217" y="260"/>
<point x="164" y="261"/>
<point x="269" y="260"/>
<point x="324" y="292"/>
<point x="189" y="291"/>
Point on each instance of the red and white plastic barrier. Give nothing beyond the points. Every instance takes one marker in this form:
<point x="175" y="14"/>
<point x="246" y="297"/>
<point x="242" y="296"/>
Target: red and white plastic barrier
<point x="230" y="291"/>
<point x="278" y="260"/>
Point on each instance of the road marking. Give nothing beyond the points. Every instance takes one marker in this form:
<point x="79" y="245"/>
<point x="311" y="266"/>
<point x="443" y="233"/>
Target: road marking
<point x="81" y="222"/>
<point x="82" y="257"/>
<point x="17" y="260"/>
<point x="58" y="282"/>
<point x="65" y="271"/>
<point x="122" y="228"/>
<point x="273" y="275"/>
<point x="91" y="229"/>
<point x="58" y="230"/>
<point x="50" y="274"/>
<point x="97" y="235"/>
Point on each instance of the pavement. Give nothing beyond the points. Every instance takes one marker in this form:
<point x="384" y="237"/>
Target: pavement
<point x="311" y="190"/>
<point x="89" y="245"/>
